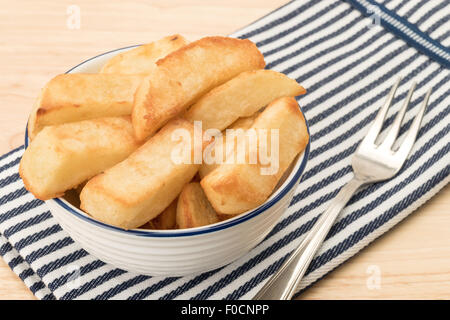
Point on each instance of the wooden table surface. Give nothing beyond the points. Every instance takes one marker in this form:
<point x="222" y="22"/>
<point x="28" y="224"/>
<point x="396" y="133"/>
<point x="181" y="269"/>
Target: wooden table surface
<point x="39" y="40"/>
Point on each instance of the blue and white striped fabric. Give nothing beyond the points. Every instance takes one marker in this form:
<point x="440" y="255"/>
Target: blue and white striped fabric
<point x="348" y="65"/>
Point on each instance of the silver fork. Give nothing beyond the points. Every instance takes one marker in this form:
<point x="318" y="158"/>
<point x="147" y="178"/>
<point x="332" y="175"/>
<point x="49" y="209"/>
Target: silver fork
<point x="371" y="163"/>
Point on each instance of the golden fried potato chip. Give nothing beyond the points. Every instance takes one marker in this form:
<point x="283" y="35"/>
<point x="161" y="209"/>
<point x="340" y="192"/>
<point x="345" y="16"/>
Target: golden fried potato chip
<point x="241" y="96"/>
<point x="237" y="187"/>
<point x="241" y="123"/>
<point x="139" y="188"/>
<point x="75" y="97"/>
<point x="63" y="156"/>
<point x="193" y="70"/>
<point x="194" y="209"/>
<point x="166" y="219"/>
<point x="143" y="59"/>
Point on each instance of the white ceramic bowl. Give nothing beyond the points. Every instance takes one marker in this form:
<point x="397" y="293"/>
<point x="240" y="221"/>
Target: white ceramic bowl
<point x="174" y="252"/>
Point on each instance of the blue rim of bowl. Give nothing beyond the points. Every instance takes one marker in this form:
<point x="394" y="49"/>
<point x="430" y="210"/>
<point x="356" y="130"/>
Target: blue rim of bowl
<point x="193" y="231"/>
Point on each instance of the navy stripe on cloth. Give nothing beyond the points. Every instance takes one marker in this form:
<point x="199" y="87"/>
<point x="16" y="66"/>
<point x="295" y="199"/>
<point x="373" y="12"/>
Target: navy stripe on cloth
<point x="121" y="287"/>
<point x="19" y="210"/>
<point x="149" y="290"/>
<point x="6" y="155"/>
<point x="85" y="287"/>
<point x="8" y="180"/>
<point x="13" y="195"/>
<point x="58" y="282"/>
<point x="27" y="223"/>
<point x="41" y="252"/>
<point x="26" y="273"/>
<point x="9" y="165"/>
<point x="37" y="236"/>
<point x="60" y="262"/>
<point x="5" y="248"/>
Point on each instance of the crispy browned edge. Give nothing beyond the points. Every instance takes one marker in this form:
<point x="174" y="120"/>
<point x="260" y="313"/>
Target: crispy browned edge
<point x="119" y="56"/>
<point x="145" y="112"/>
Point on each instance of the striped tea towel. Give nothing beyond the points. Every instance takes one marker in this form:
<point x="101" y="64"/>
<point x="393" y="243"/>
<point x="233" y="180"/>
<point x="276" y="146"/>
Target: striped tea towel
<point x="348" y="55"/>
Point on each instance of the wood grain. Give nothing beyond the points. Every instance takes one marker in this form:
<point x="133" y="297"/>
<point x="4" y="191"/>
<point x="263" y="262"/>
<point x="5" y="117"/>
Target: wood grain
<point x="36" y="44"/>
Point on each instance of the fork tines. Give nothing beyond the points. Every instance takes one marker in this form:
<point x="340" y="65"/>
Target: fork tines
<point x="394" y="129"/>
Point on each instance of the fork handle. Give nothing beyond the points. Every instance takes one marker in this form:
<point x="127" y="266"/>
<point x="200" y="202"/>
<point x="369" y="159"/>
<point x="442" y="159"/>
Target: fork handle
<point x="282" y="285"/>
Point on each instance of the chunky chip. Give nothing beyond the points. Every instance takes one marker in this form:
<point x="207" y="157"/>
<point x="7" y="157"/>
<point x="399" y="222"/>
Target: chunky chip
<point x="62" y="157"/>
<point x="193" y="70"/>
<point x="240" y="97"/>
<point x="235" y="188"/>
<point x="80" y="96"/>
